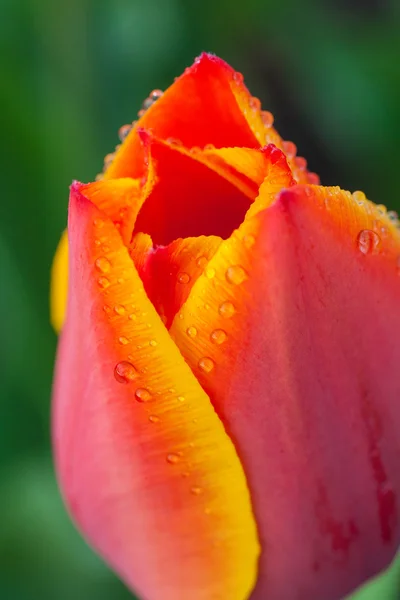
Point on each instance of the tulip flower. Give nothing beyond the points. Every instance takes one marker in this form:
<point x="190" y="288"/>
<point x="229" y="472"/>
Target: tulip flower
<point x="226" y="415"/>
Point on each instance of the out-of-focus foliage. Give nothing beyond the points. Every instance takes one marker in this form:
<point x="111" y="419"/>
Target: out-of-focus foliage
<point x="71" y="73"/>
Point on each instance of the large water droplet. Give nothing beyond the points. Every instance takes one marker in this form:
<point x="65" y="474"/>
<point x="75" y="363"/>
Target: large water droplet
<point x="206" y="364"/>
<point x="368" y="241"/>
<point x="143" y="395"/>
<point x="183" y="278"/>
<point x="218" y="336"/>
<point x="191" y="331"/>
<point x="102" y="264"/>
<point x="254" y="103"/>
<point x="226" y="310"/>
<point x="235" y="274"/>
<point x="125" y="372"/>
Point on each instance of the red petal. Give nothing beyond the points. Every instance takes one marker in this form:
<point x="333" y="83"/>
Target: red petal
<point x="299" y="350"/>
<point x="146" y="467"/>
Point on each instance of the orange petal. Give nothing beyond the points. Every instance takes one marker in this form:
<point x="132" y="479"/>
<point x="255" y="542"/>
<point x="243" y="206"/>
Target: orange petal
<point x="198" y="109"/>
<point x="145" y="465"/>
<point x="298" y="348"/>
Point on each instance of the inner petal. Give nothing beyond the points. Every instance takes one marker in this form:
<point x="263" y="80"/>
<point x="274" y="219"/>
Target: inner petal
<point x="189" y="199"/>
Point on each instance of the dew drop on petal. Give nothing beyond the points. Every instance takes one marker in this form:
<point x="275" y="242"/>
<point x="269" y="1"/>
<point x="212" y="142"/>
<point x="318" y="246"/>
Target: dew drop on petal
<point x="191" y="331"/>
<point x="196" y="490"/>
<point x="218" y="336"/>
<point x="289" y="148"/>
<point x="102" y="264"/>
<point x="119" y="309"/>
<point x="173" y="458"/>
<point x="103" y="282"/>
<point x="154" y="419"/>
<point x="143" y="395"/>
<point x="201" y="262"/>
<point x="181" y="398"/>
<point x="254" y="103"/>
<point x="359" y="197"/>
<point x="210" y="272"/>
<point x="206" y="364"/>
<point x="235" y="274"/>
<point x="183" y="278"/>
<point x="152" y="343"/>
<point x="368" y="241"/>
<point x="124" y="131"/>
<point x="238" y="77"/>
<point x="301" y="163"/>
<point x="226" y="310"/>
<point x="267" y="118"/>
<point x="123" y="340"/>
<point x="125" y="372"/>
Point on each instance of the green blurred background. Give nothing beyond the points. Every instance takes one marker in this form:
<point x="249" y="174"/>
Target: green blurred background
<point x="72" y="72"/>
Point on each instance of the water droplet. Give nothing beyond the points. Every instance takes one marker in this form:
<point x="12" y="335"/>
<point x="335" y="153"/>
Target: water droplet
<point x="123" y="340"/>
<point x="181" y="398"/>
<point x="218" y="336"/>
<point x="359" y="197"/>
<point x="206" y="364"/>
<point x="289" y="148"/>
<point x="301" y="163"/>
<point x="153" y="343"/>
<point x="173" y="458"/>
<point x="191" y="331"/>
<point x="103" y="282"/>
<point x="201" y="262"/>
<point x="124" y="131"/>
<point x="106" y="309"/>
<point x="254" y="103"/>
<point x="108" y="160"/>
<point x="132" y="317"/>
<point x="97" y="242"/>
<point x="249" y="240"/>
<point x="119" y="309"/>
<point x="313" y="178"/>
<point x="154" y="419"/>
<point x="155" y="95"/>
<point x="174" y="141"/>
<point x="143" y="395"/>
<point x="183" y="278"/>
<point x="226" y="310"/>
<point x="381" y="208"/>
<point x="102" y="264"/>
<point x="368" y="241"/>
<point x="267" y="118"/>
<point x="125" y="372"/>
<point x="210" y="272"/>
<point x="196" y="490"/>
<point x="238" y="77"/>
<point x="235" y="274"/>
<point x="98" y="223"/>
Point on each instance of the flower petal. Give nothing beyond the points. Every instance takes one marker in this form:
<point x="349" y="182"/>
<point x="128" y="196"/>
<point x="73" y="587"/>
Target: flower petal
<point x="146" y="467"/>
<point x="208" y="105"/>
<point x="302" y="331"/>
<point x="59" y="284"/>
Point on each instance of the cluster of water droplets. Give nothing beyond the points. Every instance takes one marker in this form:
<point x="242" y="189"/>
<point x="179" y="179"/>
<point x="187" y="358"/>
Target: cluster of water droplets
<point x="125" y="130"/>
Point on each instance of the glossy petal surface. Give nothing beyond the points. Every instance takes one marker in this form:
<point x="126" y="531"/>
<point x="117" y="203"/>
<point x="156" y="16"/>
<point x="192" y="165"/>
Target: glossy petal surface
<point x="136" y="436"/>
<point x="302" y="329"/>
